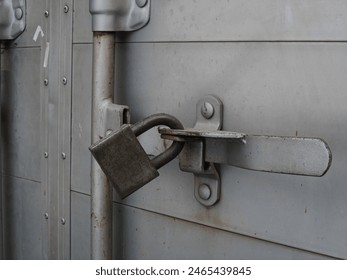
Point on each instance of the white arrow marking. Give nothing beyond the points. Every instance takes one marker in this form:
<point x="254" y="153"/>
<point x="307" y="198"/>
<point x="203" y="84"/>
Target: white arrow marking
<point x="38" y="32"/>
<point x="45" y="61"/>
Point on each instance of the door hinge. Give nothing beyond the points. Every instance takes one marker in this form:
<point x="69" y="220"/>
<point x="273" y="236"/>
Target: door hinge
<point x="119" y="15"/>
<point x="12" y="18"/>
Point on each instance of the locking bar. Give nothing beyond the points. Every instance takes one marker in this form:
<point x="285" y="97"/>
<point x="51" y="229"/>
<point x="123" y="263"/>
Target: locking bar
<point x="206" y="145"/>
<point x="286" y="155"/>
<point x="108" y="16"/>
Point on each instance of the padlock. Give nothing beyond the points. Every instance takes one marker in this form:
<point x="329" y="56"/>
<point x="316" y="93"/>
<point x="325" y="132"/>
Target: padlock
<point x="125" y="162"/>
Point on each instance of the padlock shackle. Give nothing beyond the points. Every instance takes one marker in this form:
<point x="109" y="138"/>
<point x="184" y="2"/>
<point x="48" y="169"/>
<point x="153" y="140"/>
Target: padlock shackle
<point x="155" y="120"/>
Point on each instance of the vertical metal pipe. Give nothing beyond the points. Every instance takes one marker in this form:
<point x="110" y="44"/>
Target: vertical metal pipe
<point x="1" y="199"/>
<point x="101" y="192"/>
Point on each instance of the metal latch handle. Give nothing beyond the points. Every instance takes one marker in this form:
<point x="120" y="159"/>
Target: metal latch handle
<point x="207" y="145"/>
<point x="155" y="120"/>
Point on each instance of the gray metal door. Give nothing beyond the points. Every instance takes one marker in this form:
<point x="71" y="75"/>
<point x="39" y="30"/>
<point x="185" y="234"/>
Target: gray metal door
<point x="278" y="66"/>
<point x="279" y="70"/>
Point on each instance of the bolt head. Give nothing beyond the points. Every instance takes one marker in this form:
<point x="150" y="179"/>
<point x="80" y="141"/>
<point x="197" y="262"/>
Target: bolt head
<point x="66" y="9"/>
<point x="141" y="3"/>
<point x="46" y="216"/>
<point x="45" y="82"/>
<point x="63" y="221"/>
<point x="204" y="191"/>
<point x="64" y="81"/>
<point x="46" y="13"/>
<point x="207" y="110"/>
<point x="45" y="155"/>
<point x="63" y="155"/>
<point x="18" y="13"/>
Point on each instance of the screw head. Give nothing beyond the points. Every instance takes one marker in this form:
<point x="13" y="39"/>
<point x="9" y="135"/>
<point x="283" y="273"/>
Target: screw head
<point x="45" y="155"/>
<point x="46" y="13"/>
<point x="45" y="82"/>
<point x="207" y="110"/>
<point x="46" y="216"/>
<point x="18" y="13"/>
<point x="66" y="9"/>
<point x="204" y="191"/>
<point x="141" y="3"/>
<point x="64" y="81"/>
<point x="63" y="155"/>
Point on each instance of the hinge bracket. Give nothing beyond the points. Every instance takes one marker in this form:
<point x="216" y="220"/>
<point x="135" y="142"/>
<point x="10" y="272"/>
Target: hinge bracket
<point x="119" y="15"/>
<point x="12" y="18"/>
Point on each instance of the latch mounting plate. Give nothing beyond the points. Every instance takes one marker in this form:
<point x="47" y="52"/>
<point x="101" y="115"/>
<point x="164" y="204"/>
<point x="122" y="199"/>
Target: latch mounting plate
<point x="207" y="185"/>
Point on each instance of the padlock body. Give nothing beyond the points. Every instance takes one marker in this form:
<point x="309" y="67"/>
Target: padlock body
<point x="124" y="161"/>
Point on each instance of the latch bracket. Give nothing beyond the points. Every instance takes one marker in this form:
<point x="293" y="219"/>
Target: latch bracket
<point x="119" y="15"/>
<point x="12" y="18"/>
<point x="207" y="184"/>
<point x="206" y="145"/>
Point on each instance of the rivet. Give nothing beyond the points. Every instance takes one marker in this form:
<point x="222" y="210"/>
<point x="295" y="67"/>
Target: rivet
<point x="64" y="81"/>
<point x="141" y="3"/>
<point x="207" y="110"/>
<point x="18" y="13"/>
<point x="46" y="216"/>
<point x="45" y="155"/>
<point x="46" y="13"/>
<point x="66" y="9"/>
<point x="204" y="191"/>
<point x="63" y="155"/>
<point x="45" y="82"/>
<point x="63" y="221"/>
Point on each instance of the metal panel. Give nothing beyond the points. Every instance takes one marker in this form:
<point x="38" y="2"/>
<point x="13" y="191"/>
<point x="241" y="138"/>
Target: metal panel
<point x="294" y="89"/>
<point x="37" y="120"/>
<point x="20" y="112"/>
<point x="146" y="235"/>
<point x="81" y="118"/>
<point x="292" y="93"/>
<point x="232" y="20"/>
<point x="22" y="219"/>
<point x="57" y="70"/>
<point x="82" y="29"/>
<point x="80" y="226"/>
<point x="64" y="125"/>
<point x="21" y="145"/>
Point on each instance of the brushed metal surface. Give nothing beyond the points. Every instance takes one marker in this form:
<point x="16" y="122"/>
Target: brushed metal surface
<point x="23" y="219"/>
<point x="170" y="238"/>
<point x="268" y="88"/>
<point x="234" y="20"/>
<point x="21" y="101"/>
